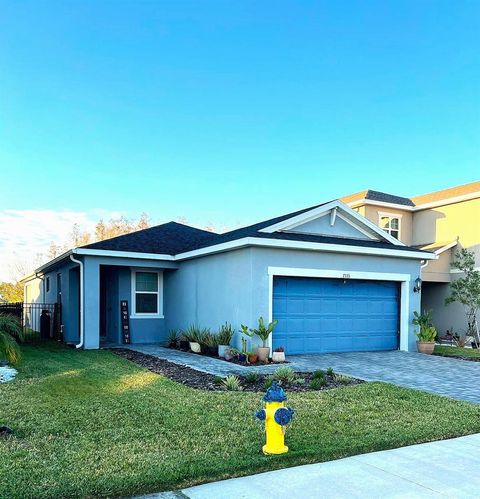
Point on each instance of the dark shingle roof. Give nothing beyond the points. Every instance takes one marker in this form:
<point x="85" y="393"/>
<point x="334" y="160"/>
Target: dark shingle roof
<point x="169" y="239"/>
<point x="173" y="238"/>
<point x="388" y="198"/>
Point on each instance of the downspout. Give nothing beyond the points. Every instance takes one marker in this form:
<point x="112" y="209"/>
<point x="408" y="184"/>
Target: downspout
<point x="80" y="345"/>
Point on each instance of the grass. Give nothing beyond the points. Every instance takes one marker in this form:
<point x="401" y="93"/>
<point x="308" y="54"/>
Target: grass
<point x="447" y="351"/>
<point x="90" y="423"/>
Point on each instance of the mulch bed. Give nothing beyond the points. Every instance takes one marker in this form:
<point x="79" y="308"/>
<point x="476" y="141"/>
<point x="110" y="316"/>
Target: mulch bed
<point x="203" y="381"/>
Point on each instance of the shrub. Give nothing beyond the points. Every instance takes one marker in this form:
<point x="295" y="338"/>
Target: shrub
<point x="317" y="383"/>
<point x="300" y="381"/>
<point x="342" y="379"/>
<point x="193" y="334"/>
<point x="284" y="375"/>
<point x="319" y="374"/>
<point x="232" y="383"/>
<point x="330" y="372"/>
<point x="209" y="339"/>
<point x="10" y="333"/>
<point x="252" y="378"/>
<point x="217" y="380"/>
<point x="267" y="383"/>
<point x="173" y="338"/>
<point x="225" y="334"/>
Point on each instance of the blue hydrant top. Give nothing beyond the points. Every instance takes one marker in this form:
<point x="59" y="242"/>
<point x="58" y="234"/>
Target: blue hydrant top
<point x="275" y="394"/>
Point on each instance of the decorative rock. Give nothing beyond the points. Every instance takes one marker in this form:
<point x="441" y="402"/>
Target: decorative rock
<point x="7" y="374"/>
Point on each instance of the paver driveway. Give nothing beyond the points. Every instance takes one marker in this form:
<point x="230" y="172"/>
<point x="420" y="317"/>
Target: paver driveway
<point x="453" y="378"/>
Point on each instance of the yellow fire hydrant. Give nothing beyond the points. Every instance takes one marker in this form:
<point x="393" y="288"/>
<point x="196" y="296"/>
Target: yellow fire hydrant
<point x="276" y="417"/>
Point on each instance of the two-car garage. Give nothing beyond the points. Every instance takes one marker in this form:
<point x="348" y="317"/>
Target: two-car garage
<point x="317" y="315"/>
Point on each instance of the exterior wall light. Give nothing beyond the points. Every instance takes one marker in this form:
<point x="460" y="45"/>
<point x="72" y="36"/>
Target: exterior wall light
<point x="418" y="285"/>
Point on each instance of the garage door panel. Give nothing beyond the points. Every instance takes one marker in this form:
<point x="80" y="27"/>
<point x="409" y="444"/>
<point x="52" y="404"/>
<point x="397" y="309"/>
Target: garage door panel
<point x="330" y="315"/>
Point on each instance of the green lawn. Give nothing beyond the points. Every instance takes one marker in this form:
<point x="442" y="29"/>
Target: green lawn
<point x="89" y="423"/>
<point x="467" y="353"/>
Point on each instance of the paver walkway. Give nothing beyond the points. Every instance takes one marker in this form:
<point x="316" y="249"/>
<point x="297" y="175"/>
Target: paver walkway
<point x="453" y="378"/>
<point x="449" y="468"/>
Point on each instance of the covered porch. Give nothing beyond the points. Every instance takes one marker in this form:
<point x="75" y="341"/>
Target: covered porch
<point x="120" y="292"/>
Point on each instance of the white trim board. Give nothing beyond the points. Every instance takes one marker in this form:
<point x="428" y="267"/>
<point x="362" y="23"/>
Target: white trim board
<point x="302" y="245"/>
<point x="404" y="280"/>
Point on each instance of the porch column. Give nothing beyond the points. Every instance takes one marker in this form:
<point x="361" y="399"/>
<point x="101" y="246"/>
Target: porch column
<point x="91" y="307"/>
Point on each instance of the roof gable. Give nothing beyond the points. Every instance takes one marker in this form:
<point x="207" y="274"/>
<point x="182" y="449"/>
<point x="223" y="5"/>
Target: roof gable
<point x="333" y="210"/>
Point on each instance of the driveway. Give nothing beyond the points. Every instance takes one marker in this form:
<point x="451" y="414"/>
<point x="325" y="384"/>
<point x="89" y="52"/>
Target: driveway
<point x="449" y="468"/>
<point x="453" y="378"/>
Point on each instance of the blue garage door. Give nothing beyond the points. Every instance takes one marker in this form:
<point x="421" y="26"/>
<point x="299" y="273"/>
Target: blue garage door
<point x="333" y="315"/>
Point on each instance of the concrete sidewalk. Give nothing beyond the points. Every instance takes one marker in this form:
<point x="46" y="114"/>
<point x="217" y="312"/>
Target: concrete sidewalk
<point x="448" y="468"/>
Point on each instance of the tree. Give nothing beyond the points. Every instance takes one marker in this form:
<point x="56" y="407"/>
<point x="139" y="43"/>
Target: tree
<point x="79" y="237"/>
<point x="11" y="291"/>
<point x="466" y="289"/>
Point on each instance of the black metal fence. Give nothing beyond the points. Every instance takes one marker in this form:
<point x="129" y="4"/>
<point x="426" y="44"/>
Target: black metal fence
<point x="40" y="321"/>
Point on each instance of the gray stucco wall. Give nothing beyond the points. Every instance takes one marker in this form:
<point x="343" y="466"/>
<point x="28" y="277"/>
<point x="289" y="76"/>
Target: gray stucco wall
<point x="444" y="317"/>
<point x="234" y="286"/>
<point x="322" y="226"/>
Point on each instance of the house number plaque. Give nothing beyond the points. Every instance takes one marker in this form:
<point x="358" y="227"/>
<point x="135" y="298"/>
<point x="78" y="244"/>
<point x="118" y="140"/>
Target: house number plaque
<point x="125" y="321"/>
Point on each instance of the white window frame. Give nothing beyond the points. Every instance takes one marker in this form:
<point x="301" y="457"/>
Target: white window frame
<point x="382" y="214"/>
<point x="159" y="293"/>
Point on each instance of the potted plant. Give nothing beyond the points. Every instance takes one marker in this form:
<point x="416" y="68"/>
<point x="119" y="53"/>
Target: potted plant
<point x="183" y="343"/>
<point x="193" y="335"/>
<point x="225" y="335"/>
<point x="278" y="355"/>
<point x="210" y="342"/>
<point x="242" y="357"/>
<point x="263" y="332"/>
<point x="426" y="333"/>
<point x="231" y="353"/>
<point x="252" y="357"/>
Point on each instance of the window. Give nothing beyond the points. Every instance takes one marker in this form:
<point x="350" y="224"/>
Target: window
<point x="47" y="284"/>
<point x="147" y="294"/>
<point x="390" y="224"/>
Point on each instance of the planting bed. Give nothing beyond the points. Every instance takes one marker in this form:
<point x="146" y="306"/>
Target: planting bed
<point x="203" y="381"/>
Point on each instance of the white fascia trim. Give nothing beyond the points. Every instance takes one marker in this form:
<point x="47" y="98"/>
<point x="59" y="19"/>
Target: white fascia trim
<point x="442" y="202"/>
<point x="316" y="212"/>
<point x="360" y="229"/>
<point x="123" y="254"/>
<point x="433" y="204"/>
<point x="307" y="216"/>
<point x="439" y="251"/>
<point x="354" y="204"/>
<point x="303" y="245"/>
<point x="389" y="214"/>
<point x="404" y="280"/>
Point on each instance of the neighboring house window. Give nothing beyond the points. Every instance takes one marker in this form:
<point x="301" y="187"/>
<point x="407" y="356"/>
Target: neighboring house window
<point x="390" y="224"/>
<point x="47" y="284"/>
<point x="147" y="293"/>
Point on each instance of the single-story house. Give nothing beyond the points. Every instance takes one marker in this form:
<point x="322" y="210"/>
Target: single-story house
<point x="334" y="280"/>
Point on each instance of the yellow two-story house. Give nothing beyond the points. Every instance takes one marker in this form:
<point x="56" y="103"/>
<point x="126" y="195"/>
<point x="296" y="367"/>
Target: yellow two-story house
<point x="442" y="222"/>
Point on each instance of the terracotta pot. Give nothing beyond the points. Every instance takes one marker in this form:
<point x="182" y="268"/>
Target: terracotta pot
<point x="425" y="347"/>
<point x="263" y="353"/>
<point x="278" y="357"/>
<point x="195" y="347"/>
<point x="253" y="358"/>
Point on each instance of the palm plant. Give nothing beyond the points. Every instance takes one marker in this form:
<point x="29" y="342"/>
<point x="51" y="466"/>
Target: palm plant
<point x="262" y="331"/>
<point x="10" y="334"/>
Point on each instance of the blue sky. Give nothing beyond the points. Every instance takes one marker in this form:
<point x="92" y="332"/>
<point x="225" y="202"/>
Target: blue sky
<point x="228" y="112"/>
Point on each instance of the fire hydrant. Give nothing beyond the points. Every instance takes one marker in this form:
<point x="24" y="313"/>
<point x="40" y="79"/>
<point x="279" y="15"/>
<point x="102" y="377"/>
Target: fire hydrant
<point x="276" y="417"/>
